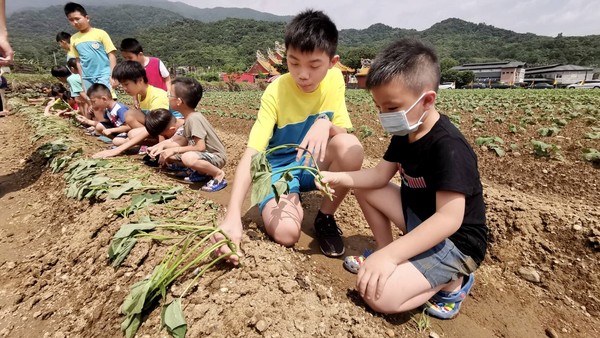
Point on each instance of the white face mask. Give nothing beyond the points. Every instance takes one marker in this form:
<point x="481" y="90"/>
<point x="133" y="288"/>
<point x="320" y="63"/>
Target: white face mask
<point x="396" y="123"/>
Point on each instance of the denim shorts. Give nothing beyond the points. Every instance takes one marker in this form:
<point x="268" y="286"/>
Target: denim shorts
<point x="442" y="263"/>
<point x="303" y="181"/>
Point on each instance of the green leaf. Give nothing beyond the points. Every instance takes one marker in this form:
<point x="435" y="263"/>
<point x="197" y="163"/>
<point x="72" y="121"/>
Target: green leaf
<point x="261" y="187"/>
<point x="131" y="229"/>
<point x="173" y="319"/>
<point x="116" y="193"/>
<point x="131" y="324"/>
<point x="119" y="249"/>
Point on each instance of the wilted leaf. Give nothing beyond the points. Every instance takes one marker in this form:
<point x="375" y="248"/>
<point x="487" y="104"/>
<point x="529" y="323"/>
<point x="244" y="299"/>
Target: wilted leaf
<point x="173" y="319"/>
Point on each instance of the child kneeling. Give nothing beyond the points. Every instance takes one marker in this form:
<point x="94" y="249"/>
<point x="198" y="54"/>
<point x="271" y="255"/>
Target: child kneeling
<point x="193" y="143"/>
<point x="439" y="208"/>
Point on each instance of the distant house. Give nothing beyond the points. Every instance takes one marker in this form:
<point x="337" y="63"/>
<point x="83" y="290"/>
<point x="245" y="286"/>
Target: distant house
<point x="561" y="74"/>
<point x="507" y="71"/>
<point x="267" y="65"/>
<point x="361" y="74"/>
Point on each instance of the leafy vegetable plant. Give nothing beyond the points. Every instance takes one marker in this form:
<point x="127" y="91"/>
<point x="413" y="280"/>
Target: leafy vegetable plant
<point x="180" y="258"/>
<point x="262" y="172"/>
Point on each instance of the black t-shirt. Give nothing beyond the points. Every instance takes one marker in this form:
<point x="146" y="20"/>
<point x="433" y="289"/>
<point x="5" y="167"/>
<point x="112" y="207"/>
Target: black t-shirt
<point x="442" y="160"/>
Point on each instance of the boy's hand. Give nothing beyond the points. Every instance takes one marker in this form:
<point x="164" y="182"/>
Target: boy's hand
<point x="374" y="273"/>
<point x="106" y="153"/>
<point x="232" y="227"/>
<point x="165" y="154"/>
<point x="113" y="83"/>
<point x="107" y="132"/>
<point x="155" y="150"/>
<point x="315" y="141"/>
<point x="334" y="179"/>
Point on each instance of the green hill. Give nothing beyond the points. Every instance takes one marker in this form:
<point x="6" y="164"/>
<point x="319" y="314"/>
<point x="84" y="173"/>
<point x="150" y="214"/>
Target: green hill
<point x="187" y="11"/>
<point x="231" y="44"/>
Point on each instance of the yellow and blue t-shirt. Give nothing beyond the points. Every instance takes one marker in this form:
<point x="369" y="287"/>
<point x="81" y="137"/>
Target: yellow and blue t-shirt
<point x="92" y="49"/>
<point x="287" y="113"/>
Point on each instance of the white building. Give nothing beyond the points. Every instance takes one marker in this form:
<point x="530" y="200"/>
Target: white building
<point x="561" y="74"/>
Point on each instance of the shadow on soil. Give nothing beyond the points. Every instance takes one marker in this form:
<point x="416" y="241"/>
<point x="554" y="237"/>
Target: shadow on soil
<point x="24" y="177"/>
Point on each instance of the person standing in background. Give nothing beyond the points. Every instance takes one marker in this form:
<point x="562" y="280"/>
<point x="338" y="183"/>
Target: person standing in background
<point x="6" y="51"/>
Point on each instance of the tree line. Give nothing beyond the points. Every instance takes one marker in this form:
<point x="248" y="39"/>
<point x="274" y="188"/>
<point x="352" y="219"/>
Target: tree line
<point x="231" y="44"/>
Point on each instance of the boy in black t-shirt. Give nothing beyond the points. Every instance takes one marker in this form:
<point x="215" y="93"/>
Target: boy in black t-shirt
<point x="439" y="206"/>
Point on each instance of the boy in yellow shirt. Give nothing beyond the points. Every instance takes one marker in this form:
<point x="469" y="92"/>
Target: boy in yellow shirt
<point x="305" y="107"/>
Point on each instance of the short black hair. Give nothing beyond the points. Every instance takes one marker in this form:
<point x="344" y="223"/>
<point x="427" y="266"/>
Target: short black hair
<point x="131" y="45"/>
<point x="157" y="121"/>
<point x="63" y="36"/>
<point x="188" y="90"/>
<point x="311" y="30"/>
<point x="98" y="89"/>
<point x="129" y="70"/>
<point x="411" y="60"/>
<point x="58" y="89"/>
<point x="72" y="63"/>
<point x="60" y="71"/>
<point x="72" y="7"/>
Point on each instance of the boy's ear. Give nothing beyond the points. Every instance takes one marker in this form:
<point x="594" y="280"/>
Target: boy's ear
<point x="335" y="59"/>
<point x="429" y="99"/>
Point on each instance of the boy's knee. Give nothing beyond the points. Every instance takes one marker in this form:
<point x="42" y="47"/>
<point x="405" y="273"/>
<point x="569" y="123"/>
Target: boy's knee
<point x="381" y="306"/>
<point x="347" y="151"/>
<point x="189" y="158"/>
<point x="285" y="231"/>
<point x="287" y="237"/>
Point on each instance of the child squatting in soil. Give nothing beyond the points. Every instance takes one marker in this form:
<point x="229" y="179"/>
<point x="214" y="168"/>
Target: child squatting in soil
<point x="114" y="112"/>
<point x="307" y="107"/>
<point x="442" y="214"/>
<point x="132" y="77"/>
<point x="195" y="143"/>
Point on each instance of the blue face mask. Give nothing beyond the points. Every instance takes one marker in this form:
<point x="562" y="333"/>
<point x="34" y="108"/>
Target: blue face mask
<point x="396" y="123"/>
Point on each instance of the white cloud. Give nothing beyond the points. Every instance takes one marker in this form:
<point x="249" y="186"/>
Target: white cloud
<point x="543" y="17"/>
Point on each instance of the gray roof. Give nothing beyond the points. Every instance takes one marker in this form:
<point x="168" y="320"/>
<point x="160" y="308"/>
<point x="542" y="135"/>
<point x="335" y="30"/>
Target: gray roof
<point x="490" y="65"/>
<point x="557" y="68"/>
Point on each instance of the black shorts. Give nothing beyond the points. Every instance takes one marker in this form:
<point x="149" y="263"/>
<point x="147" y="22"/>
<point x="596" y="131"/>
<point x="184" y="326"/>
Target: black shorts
<point x="107" y="124"/>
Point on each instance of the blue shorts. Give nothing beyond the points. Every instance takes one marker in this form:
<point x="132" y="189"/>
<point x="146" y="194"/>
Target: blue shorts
<point x="303" y="181"/>
<point x="105" y="80"/>
<point x="442" y="263"/>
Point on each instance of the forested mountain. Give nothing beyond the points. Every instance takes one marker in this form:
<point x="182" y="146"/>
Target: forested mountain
<point x="231" y="44"/>
<point x="187" y="11"/>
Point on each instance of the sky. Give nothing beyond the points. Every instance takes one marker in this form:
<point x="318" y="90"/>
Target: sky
<point x="541" y="17"/>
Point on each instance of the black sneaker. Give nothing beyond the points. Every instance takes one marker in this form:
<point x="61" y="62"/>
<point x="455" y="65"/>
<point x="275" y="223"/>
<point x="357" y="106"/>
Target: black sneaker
<point x="328" y="235"/>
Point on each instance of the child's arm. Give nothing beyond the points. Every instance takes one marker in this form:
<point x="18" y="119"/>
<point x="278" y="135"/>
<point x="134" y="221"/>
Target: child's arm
<point x="180" y="149"/>
<point x="49" y="106"/>
<point x="117" y="130"/>
<point x="447" y="219"/>
<point x="175" y="141"/>
<point x="372" y="178"/>
<point x="112" y="59"/>
<point x="232" y="223"/>
<point x="168" y="82"/>
<point x="80" y="72"/>
<point x="141" y="135"/>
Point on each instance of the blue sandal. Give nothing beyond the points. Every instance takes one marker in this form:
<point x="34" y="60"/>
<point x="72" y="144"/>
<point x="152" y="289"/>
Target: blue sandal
<point x="214" y="185"/>
<point x="197" y="177"/>
<point x="445" y="305"/>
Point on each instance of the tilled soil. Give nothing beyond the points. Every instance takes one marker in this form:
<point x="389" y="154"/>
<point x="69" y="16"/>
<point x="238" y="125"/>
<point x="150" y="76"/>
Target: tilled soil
<point x="540" y="277"/>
